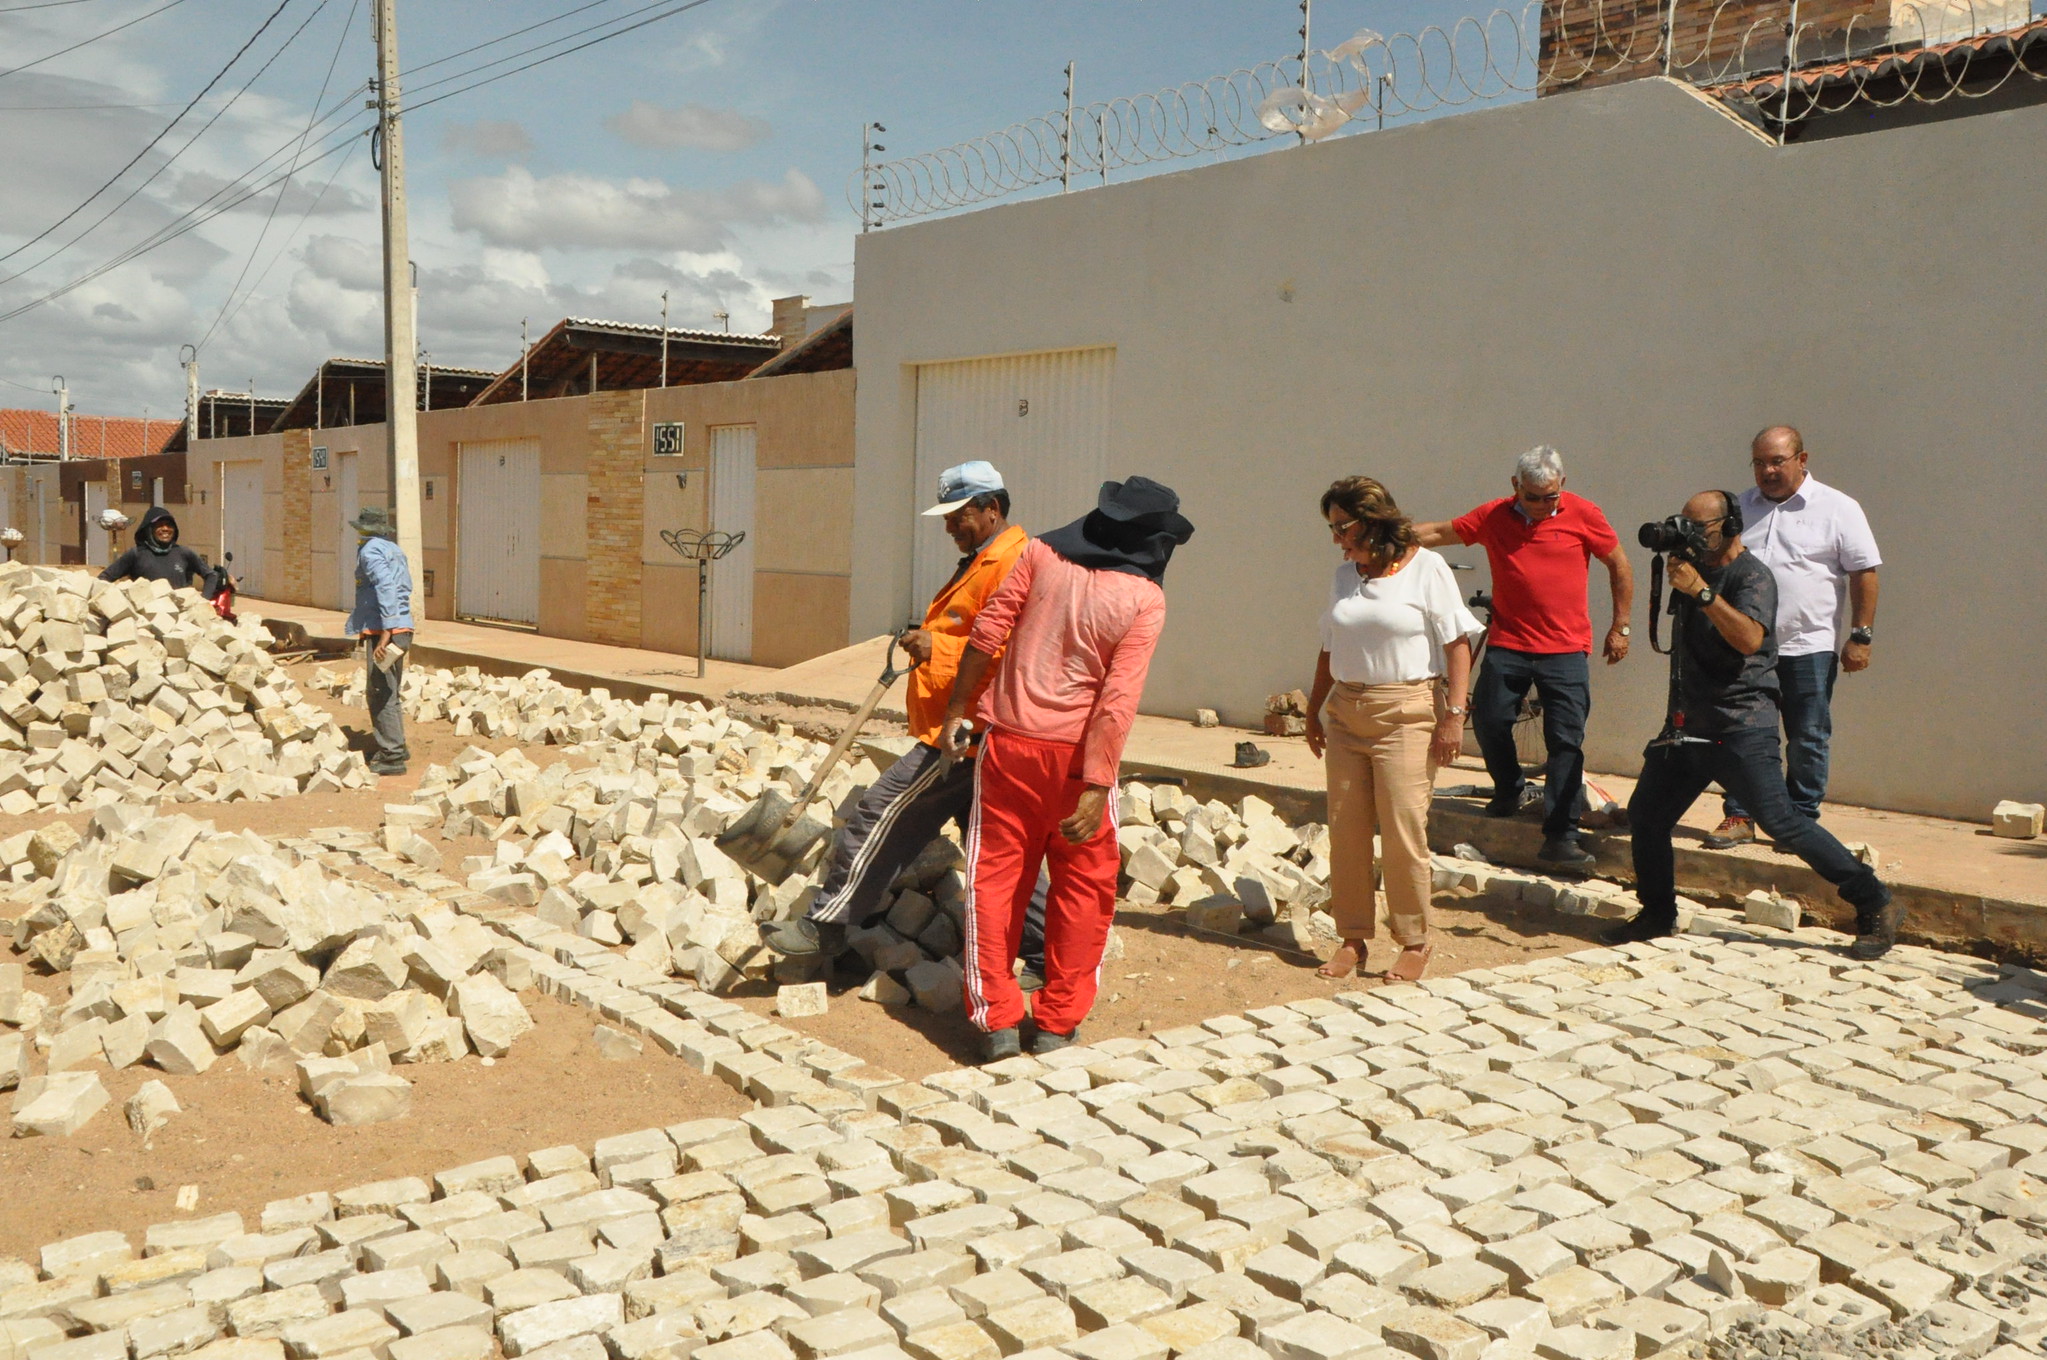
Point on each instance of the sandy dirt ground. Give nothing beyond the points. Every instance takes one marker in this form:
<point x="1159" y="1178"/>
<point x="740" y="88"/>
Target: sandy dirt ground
<point x="1167" y="976"/>
<point x="245" y="1138"/>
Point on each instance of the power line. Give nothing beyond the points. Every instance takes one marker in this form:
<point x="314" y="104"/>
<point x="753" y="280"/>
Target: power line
<point x="46" y="4"/>
<point x="218" y="75"/>
<point x="552" y="56"/>
<point x="167" y="234"/>
<point x="284" y="249"/>
<point x="172" y="159"/>
<point x="79" y="108"/>
<point x="311" y="115"/>
<point x="505" y="37"/>
<point x="89" y="41"/>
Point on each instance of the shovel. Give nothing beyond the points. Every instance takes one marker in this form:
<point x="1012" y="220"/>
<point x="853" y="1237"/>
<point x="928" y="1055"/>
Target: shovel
<point x="773" y="837"/>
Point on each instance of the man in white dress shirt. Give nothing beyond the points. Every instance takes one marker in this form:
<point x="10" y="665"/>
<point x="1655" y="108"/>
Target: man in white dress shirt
<point x="1816" y="542"/>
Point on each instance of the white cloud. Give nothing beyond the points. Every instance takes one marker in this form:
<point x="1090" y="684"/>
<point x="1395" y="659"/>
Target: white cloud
<point x="347" y="262"/>
<point x="693" y="126"/>
<point x="489" y="138"/>
<point x="583" y="212"/>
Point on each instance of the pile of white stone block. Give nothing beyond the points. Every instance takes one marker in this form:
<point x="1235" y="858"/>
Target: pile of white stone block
<point x="1229" y="869"/>
<point x="182" y="943"/>
<point x="116" y="691"/>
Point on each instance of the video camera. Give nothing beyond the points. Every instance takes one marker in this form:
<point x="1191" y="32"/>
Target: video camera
<point x="1681" y="538"/>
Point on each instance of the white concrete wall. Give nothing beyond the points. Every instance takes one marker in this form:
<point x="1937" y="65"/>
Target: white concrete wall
<point x="1624" y="273"/>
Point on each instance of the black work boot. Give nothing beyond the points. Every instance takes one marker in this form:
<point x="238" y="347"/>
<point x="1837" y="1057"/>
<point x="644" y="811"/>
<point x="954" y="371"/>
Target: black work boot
<point x="803" y="937"/>
<point x="1051" y="1040"/>
<point x="1641" y="929"/>
<point x="1877" y="930"/>
<point x="998" y="1044"/>
<point x="1567" y="853"/>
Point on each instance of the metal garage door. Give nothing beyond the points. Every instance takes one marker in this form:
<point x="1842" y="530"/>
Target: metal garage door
<point x="732" y="479"/>
<point x="498" y="500"/>
<point x="98" y="542"/>
<point x="241" y="523"/>
<point x="1042" y="419"/>
<point x="347" y="505"/>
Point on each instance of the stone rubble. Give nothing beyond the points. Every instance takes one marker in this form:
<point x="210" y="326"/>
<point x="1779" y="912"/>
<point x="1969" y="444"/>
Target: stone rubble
<point x="121" y="691"/>
<point x="1733" y="1145"/>
<point x="183" y="943"/>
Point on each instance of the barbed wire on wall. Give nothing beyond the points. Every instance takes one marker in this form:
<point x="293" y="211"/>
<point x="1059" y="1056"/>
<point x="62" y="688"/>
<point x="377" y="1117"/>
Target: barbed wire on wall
<point x="1740" y="53"/>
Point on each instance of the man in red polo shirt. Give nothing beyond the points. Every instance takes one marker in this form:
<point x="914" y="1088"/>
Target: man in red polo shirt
<point x="1539" y="542"/>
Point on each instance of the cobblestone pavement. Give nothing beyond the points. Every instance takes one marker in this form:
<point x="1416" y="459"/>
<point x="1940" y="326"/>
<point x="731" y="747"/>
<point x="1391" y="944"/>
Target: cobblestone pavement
<point x="1723" y="1146"/>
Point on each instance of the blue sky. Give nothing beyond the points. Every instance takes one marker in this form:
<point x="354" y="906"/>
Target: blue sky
<point x="707" y="154"/>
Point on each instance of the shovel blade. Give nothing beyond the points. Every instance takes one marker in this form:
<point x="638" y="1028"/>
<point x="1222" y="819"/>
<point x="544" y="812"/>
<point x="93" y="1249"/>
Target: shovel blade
<point x="761" y="844"/>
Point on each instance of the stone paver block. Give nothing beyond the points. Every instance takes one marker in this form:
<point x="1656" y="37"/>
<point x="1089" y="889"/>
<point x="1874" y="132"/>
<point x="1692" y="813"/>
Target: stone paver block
<point x="1574" y="1294"/>
<point x="529" y="1329"/>
<point x="1432" y="1335"/>
<point x="1030" y="1323"/>
<point x="356" y="1330"/>
<point x="1126" y="1341"/>
<point x="446" y="1343"/>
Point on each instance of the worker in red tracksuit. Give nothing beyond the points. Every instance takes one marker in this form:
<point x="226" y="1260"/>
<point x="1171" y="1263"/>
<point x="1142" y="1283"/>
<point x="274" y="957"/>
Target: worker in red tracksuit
<point x="1079" y="617"/>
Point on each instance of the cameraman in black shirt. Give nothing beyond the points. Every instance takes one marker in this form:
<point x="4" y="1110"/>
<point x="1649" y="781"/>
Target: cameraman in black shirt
<point x="1722" y="726"/>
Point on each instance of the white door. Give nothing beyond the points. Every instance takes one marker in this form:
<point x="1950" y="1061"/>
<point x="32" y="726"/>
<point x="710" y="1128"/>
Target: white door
<point x="98" y="543"/>
<point x="241" y="523"/>
<point x="732" y="475"/>
<point x="156" y="491"/>
<point x="1041" y="419"/>
<point x="497" y="574"/>
<point x="347" y="505"/>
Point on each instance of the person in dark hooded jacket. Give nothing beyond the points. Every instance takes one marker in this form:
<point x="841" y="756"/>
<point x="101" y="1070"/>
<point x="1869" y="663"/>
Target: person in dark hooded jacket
<point x="157" y="554"/>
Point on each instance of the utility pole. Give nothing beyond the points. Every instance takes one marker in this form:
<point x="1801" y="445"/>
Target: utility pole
<point x="400" y="341"/>
<point x="252" y="408"/>
<point x="63" y="391"/>
<point x="868" y="146"/>
<point x="664" y="337"/>
<point x="188" y="355"/>
<point x="525" y="349"/>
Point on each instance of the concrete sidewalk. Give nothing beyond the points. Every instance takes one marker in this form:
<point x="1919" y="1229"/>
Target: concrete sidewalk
<point x="1964" y="887"/>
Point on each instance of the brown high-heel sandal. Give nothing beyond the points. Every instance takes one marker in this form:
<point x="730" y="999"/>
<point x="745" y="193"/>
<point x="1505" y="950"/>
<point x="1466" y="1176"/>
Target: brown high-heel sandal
<point x="1409" y="966"/>
<point x="1330" y="970"/>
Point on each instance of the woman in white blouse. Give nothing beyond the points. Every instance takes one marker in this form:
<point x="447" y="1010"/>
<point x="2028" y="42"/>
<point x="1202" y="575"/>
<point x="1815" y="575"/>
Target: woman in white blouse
<point x="1387" y="708"/>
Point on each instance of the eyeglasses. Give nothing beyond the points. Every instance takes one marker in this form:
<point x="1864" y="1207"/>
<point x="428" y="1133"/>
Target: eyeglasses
<point x="1544" y="498"/>
<point x="1340" y="528"/>
<point x="1772" y="464"/>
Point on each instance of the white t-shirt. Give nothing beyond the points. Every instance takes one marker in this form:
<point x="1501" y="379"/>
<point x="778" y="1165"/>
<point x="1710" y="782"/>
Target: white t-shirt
<point x="1810" y="541"/>
<point x="1392" y="630"/>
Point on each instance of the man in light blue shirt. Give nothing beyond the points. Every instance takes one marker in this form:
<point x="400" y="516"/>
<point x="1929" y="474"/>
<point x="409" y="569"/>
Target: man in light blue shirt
<point x="382" y="619"/>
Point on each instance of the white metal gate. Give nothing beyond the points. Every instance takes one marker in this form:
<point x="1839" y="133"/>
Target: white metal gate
<point x="1042" y="419"/>
<point x="241" y="523"/>
<point x="498" y="498"/>
<point x="98" y="544"/>
<point x="732" y="478"/>
<point x="347" y="505"/>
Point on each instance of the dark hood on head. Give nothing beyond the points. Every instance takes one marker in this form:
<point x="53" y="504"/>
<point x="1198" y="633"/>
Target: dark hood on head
<point x="145" y="531"/>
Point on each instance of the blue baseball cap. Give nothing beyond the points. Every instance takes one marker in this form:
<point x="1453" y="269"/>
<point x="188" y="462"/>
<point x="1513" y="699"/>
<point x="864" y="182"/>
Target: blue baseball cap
<point x="958" y="485"/>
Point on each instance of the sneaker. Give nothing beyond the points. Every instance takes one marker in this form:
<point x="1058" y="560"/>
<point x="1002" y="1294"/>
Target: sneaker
<point x="387" y="767"/>
<point x="1566" y="854"/>
<point x="1030" y="979"/>
<point x="1640" y="929"/>
<point x="1049" y="1040"/>
<point x="803" y="937"/>
<point x="1500" y="807"/>
<point x="1731" y="832"/>
<point x="1250" y="756"/>
<point x="1001" y="1043"/>
<point x="1877" y="931"/>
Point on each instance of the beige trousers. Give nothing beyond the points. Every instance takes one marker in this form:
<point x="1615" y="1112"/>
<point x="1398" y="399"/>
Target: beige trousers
<point x="1380" y="780"/>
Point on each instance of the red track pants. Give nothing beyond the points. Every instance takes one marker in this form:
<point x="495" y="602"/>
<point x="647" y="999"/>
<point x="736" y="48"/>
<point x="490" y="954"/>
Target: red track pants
<point x="1022" y="790"/>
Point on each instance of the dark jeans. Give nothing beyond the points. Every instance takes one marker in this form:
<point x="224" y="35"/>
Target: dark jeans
<point x="384" y="689"/>
<point x="1563" y="681"/>
<point x="1808" y="705"/>
<point x="898" y="816"/>
<point x="1744" y="763"/>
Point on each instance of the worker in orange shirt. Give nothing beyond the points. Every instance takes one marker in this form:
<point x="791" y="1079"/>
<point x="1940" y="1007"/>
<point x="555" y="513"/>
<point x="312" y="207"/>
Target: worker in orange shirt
<point x="915" y="797"/>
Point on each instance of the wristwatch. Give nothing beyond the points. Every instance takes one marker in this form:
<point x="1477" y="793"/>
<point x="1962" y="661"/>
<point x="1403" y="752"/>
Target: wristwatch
<point x="1862" y="636"/>
<point x="1455" y="711"/>
<point x="1623" y="630"/>
<point x="1706" y="596"/>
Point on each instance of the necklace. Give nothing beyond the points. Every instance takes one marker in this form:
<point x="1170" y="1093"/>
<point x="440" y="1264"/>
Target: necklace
<point x="1394" y="570"/>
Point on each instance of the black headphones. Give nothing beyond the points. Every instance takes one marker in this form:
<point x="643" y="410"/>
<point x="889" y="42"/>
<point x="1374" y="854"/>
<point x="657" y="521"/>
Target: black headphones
<point x="1730" y="524"/>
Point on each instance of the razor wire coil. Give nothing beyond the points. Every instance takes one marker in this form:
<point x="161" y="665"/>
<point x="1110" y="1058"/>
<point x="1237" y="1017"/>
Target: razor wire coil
<point x="1545" y="46"/>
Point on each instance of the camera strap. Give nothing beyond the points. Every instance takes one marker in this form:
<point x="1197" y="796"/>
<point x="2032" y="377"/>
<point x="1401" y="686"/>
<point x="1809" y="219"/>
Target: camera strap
<point x="1656" y="607"/>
